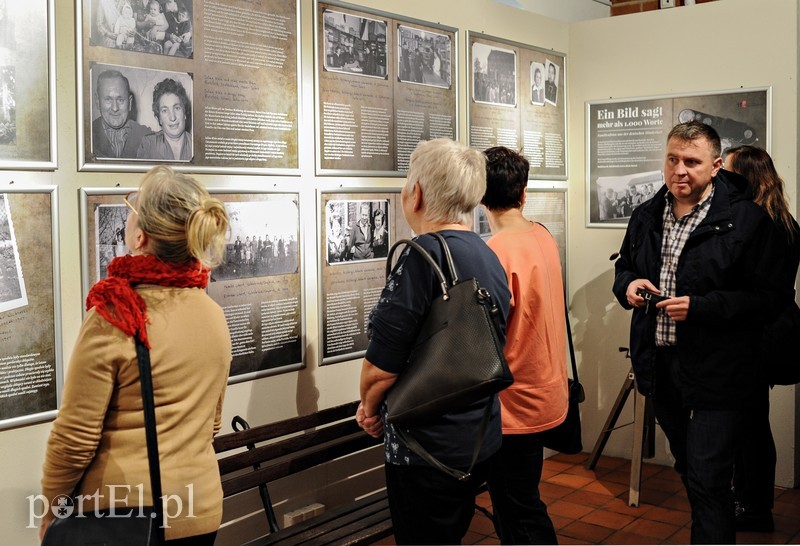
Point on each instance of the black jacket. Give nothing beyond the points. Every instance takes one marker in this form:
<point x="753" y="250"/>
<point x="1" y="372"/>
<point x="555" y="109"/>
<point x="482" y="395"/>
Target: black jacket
<point x="732" y="269"/>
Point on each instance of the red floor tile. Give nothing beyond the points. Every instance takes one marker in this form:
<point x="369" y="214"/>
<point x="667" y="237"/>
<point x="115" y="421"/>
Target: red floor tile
<point x="589" y="533"/>
<point x="624" y="537"/>
<point x="587" y="498"/>
<point x="653" y="529"/>
<point x="608" y="518"/>
<point x="570" y="480"/>
<point x="665" y="515"/>
<point x="568" y="509"/>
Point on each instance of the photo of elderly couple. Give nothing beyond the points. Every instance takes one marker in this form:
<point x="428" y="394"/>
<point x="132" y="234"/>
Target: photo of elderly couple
<point x="123" y="127"/>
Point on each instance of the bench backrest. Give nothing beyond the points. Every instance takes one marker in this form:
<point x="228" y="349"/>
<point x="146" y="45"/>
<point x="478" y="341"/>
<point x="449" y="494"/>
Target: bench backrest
<point x="293" y="445"/>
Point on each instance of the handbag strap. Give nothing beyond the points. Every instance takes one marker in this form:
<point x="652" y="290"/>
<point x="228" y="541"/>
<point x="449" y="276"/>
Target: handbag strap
<point x="581" y="394"/>
<point x="143" y="357"/>
<point x="416" y="246"/>
<point x="416" y="447"/>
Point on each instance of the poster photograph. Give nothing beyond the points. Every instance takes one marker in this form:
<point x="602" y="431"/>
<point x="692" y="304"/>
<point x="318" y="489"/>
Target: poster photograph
<point x="357" y="229"/>
<point x="27" y="85"/>
<point x="103" y="218"/>
<point x="627" y="140"/>
<point x="385" y="83"/>
<point x="516" y="100"/>
<point x="30" y="336"/>
<point x="209" y="86"/>
<point x="258" y="284"/>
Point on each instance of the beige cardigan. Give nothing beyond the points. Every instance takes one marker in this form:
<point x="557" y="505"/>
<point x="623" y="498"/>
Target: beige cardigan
<point x="100" y="425"/>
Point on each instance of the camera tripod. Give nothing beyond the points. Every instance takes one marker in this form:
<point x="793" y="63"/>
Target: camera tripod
<point x="643" y="432"/>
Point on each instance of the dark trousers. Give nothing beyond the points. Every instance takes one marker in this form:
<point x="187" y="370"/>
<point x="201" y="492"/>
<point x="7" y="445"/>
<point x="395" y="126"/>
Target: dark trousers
<point x="197" y="540"/>
<point x="704" y="444"/>
<point x="754" y="475"/>
<point x="514" y="475"/>
<point x="429" y="506"/>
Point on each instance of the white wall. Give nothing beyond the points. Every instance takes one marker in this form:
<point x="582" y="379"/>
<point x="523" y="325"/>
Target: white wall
<point x="707" y="47"/>
<point x="633" y="55"/>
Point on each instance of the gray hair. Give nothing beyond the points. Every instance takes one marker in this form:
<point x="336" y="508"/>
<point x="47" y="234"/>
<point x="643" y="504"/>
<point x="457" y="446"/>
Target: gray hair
<point x="452" y="178"/>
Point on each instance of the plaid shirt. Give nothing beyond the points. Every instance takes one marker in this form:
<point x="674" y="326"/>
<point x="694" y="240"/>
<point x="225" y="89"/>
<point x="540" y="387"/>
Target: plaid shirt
<point x="676" y="233"/>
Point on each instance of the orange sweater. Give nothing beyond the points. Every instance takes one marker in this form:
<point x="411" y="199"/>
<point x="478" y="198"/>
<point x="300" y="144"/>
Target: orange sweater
<point x="536" y="331"/>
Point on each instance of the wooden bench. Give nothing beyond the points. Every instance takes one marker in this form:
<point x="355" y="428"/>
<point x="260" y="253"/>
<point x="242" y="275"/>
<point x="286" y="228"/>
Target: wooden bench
<point x="278" y="450"/>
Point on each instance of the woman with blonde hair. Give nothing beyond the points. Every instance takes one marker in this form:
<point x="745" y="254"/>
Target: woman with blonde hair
<point x="754" y="470"/>
<point x="446" y="181"/>
<point x="175" y="232"/>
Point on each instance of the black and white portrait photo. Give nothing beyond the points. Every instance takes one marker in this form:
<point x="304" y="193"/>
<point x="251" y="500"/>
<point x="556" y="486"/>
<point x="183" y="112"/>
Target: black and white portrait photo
<point x="109" y="221"/>
<point x="355" y="45"/>
<point x="537" y="83"/>
<point x="551" y="83"/>
<point x="423" y="57"/>
<point x="263" y="239"/>
<point x="8" y="107"/>
<point x="356" y="230"/>
<point x="12" y="285"/>
<point x="140" y="114"/>
<point x="162" y="27"/>
<point x="494" y="75"/>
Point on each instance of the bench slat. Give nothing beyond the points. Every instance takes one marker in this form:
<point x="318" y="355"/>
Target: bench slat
<point x="261" y="433"/>
<point x="332" y="520"/>
<point x="281" y="469"/>
<point x="275" y="450"/>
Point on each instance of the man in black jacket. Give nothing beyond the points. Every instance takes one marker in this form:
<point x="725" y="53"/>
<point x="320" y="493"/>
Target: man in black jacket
<point x="704" y="245"/>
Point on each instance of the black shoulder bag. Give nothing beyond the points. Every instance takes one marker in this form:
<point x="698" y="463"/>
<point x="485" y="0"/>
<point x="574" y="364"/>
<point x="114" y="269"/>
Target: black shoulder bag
<point x="457" y="358"/>
<point x="130" y="526"/>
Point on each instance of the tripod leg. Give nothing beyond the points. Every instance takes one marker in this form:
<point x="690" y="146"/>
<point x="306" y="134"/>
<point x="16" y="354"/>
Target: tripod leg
<point x="616" y="410"/>
<point x="639" y="418"/>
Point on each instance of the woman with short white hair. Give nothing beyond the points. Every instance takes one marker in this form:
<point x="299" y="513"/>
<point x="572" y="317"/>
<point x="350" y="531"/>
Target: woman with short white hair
<point x="446" y="180"/>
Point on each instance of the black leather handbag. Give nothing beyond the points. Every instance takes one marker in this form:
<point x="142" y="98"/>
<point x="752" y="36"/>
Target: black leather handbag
<point x="130" y="526"/>
<point x="457" y="358"/>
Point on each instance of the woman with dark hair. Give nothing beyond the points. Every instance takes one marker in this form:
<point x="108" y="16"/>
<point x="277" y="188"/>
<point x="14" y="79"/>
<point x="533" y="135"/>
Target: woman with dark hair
<point x="754" y="471"/>
<point x="173" y="111"/>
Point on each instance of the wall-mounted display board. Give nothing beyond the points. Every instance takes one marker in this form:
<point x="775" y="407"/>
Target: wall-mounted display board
<point x="27" y="85"/>
<point x="546" y="205"/>
<point x="31" y="367"/>
<point x="258" y="285"/>
<point x="627" y="140"/>
<point x="517" y="99"/>
<point x="207" y="86"/>
<point x="384" y="83"/>
<point x="357" y="229"/>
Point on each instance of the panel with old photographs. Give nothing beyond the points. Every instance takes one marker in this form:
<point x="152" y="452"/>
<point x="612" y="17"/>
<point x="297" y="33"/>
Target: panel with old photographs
<point x="27" y="85"/>
<point x="207" y="86"/>
<point x="31" y="366"/>
<point x="517" y="99"/>
<point x="258" y="284"/>
<point x="384" y="84"/>
<point x="358" y="228"/>
<point x="627" y="140"/>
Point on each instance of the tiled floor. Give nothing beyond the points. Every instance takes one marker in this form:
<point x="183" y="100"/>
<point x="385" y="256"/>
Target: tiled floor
<point x="591" y="507"/>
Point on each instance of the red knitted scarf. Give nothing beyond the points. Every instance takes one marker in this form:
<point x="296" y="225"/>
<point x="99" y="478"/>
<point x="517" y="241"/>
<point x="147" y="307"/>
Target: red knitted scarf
<point x="117" y="301"/>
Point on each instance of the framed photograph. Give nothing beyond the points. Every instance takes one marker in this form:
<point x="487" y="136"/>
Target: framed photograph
<point x="357" y="228"/>
<point x="544" y="204"/>
<point x="31" y="365"/>
<point x="384" y="83"/>
<point x="27" y="85"/>
<point x="188" y="83"/>
<point x="627" y="140"/>
<point x="515" y="100"/>
<point x="258" y="285"/>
